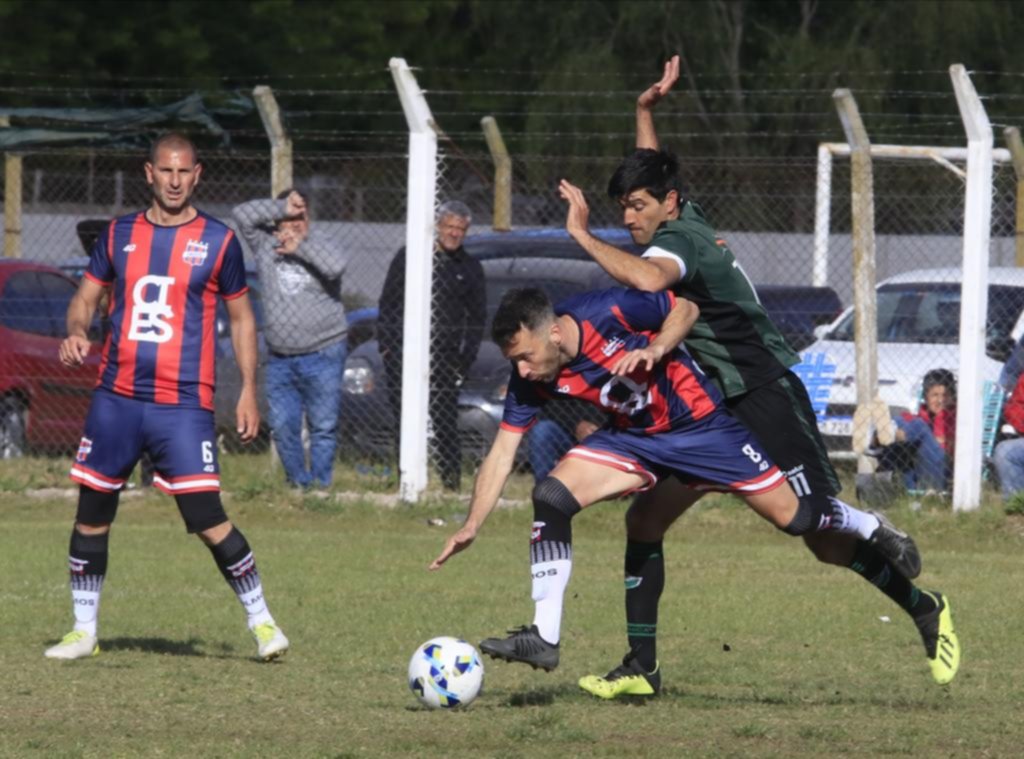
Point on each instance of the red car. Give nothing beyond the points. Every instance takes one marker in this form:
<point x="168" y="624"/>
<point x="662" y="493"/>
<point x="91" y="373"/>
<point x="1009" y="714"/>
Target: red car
<point x="42" y="402"/>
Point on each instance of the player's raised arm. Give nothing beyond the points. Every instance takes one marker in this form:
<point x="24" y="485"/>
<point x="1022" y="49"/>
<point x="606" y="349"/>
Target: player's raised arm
<point x="649" y="274"/>
<point x="646" y="136"/>
<point x="490" y="481"/>
<point x="676" y="326"/>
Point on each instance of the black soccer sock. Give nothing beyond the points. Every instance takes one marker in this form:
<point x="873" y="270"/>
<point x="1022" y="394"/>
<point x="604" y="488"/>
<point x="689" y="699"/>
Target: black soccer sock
<point x="236" y="563"/>
<point x="876" y="569"/>
<point x="645" y="580"/>
<point x="551" y="554"/>
<point x="87" y="564"/>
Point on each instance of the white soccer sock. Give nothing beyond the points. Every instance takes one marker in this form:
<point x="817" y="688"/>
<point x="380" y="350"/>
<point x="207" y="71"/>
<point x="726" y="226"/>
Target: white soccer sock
<point x="550" y="579"/>
<point x="846" y="518"/>
<point x="86" y="606"/>
<point x="255" y="606"/>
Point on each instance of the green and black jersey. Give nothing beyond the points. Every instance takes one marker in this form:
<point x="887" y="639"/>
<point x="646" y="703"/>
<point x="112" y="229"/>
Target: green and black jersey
<point x="734" y="341"/>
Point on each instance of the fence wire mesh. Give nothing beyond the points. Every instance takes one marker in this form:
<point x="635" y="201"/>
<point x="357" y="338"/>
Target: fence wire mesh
<point x="764" y="208"/>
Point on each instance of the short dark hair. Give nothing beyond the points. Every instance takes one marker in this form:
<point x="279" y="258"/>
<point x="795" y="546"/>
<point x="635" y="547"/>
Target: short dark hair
<point x="943" y="377"/>
<point x="174" y="140"/>
<point x="289" y="190"/>
<point x="656" y="171"/>
<point x="527" y="307"/>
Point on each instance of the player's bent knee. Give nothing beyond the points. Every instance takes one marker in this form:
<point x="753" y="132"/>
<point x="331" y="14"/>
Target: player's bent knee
<point x="96" y="510"/>
<point x="201" y="511"/>
<point x="552" y="493"/>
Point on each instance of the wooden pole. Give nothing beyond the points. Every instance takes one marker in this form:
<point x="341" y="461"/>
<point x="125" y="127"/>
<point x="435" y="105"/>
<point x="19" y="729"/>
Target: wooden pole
<point x="502" y="175"/>
<point x="12" y="200"/>
<point x="1013" y="142"/>
<point x="280" y="144"/>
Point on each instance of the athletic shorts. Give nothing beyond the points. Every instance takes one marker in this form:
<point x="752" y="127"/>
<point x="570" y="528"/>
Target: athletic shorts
<point x="180" y="442"/>
<point x="716" y="453"/>
<point x="781" y="417"/>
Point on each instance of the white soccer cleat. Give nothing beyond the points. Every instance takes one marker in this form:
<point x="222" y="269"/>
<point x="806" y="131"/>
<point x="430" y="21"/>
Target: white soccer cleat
<point x="271" y="642"/>
<point x="77" y="644"/>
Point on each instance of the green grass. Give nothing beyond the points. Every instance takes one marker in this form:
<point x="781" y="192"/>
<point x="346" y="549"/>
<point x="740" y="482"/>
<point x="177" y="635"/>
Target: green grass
<point x="764" y="651"/>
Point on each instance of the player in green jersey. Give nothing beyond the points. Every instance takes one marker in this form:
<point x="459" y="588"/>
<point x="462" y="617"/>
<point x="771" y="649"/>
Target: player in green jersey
<point x="736" y="343"/>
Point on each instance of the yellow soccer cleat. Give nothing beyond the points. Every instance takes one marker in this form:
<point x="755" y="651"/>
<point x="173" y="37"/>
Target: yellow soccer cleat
<point x="940" y="641"/>
<point x="627" y="680"/>
<point x="77" y="644"/>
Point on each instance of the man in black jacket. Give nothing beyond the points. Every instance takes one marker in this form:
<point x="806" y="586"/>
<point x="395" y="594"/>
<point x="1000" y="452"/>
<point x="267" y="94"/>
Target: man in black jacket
<point x="457" y="315"/>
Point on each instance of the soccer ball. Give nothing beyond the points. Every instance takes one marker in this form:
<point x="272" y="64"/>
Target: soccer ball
<point x="446" y="673"/>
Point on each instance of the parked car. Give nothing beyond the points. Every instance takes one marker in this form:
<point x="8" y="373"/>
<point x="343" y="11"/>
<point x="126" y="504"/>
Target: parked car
<point x="546" y="258"/>
<point x="42" y="402"/>
<point x="918" y="316"/>
<point x="797" y="310"/>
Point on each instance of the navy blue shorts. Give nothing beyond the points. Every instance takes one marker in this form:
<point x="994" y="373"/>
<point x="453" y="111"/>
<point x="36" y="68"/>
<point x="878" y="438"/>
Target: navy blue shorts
<point x="716" y="453"/>
<point x="180" y="441"/>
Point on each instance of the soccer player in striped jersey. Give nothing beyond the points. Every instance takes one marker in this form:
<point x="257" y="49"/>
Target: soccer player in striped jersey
<point x="619" y="350"/>
<point x="736" y="343"/>
<point x="164" y="267"/>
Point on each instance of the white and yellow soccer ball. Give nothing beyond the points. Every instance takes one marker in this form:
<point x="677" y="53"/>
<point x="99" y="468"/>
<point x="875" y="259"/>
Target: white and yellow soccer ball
<point x="446" y="673"/>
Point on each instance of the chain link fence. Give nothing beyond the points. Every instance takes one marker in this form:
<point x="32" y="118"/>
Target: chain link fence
<point x="764" y="208"/>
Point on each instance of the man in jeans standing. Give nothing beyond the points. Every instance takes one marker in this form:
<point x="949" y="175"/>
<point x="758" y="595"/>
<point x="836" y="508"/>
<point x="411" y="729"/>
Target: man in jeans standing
<point x="305" y="329"/>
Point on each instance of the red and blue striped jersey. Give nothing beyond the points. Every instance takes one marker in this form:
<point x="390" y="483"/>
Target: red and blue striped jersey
<point x="673" y="394"/>
<point x="164" y="283"/>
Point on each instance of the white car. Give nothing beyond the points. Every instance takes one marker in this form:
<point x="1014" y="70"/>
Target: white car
<point x="918" y="330"/>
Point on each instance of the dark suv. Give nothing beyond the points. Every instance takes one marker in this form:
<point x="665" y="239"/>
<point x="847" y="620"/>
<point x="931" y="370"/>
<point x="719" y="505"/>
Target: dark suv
<point x="549" y="259"/>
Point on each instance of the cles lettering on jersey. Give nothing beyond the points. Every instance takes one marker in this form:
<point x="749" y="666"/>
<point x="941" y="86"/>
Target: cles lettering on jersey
<point x="670" y="396"/>
<point x="165" y="282"/>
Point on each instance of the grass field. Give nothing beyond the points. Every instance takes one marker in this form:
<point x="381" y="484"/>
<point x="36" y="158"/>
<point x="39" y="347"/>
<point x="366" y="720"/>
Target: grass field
<point x="764" y="651"/>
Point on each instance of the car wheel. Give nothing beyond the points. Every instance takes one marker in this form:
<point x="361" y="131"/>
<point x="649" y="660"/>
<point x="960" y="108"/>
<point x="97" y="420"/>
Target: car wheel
<point x="12" y="428"/>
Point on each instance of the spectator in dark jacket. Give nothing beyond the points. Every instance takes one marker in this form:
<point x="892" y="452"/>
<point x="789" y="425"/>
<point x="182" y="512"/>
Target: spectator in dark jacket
<point x="457" y="317"/>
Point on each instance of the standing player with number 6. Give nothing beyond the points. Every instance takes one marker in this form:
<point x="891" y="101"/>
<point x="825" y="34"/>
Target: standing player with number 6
<point x="165" y="268"/>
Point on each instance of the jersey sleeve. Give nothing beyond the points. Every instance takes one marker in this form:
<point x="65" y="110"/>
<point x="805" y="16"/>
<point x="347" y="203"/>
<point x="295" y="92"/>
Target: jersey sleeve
<point x="641" y="311"/>
<point x="522" y="404"/>
<point x="674" y="245"/>
<point x="231" y="279"/>
<point x="101" y="267"/>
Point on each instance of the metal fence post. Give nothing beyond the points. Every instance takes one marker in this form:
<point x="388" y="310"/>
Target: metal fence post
<point x="974" y="298"/>
<point x="866" y="325"/>
<point x="1013" y="142"/>
<point x="12" y="200"/>
<point x="502" y="175"/>
<point x="419" y="247"/>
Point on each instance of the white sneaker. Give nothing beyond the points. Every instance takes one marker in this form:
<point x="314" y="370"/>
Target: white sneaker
<point x="270" y="641"/>
<point x="77" y="644"/>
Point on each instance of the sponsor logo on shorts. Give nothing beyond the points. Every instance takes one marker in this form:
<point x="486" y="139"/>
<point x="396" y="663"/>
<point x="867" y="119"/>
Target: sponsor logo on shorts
<point x="84" y="449"/>
<point x="633" y="582"/>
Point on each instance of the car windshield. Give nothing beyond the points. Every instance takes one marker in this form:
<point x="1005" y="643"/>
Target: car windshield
<point x="930" y="313"/>
<point x="556" y="289"/>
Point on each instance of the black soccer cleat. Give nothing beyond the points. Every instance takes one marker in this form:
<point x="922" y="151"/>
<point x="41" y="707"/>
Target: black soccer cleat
<point x="523" y="644"/>
<point x="896" y="546"/>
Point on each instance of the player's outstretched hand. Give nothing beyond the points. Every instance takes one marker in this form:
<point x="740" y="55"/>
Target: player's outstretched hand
<point x="247" y="416"/>
<point x="577" y="220"/>
<point x="650" y="97"/>
<point x="458" y="542"/>
<point x="648" y="356"/>
<point x="73" y="350"/>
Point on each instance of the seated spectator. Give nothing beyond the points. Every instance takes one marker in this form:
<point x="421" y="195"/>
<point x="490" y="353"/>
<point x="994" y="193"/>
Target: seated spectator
<point x="923" y="447"/>
<point x="1008" y="457"/>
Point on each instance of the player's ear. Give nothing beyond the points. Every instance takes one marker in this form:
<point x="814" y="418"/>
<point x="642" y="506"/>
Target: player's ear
<point x="149" y="172"/>
<point x="198" y="173"/>
<point x="672" y="199"/>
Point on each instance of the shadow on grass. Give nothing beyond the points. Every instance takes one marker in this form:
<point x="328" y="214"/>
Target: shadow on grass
<point x="190" y="647"/>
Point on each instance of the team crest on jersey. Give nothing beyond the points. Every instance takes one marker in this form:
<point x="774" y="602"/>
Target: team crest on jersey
<point x="196" y="252"/>
<point x="84" y="449"/>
